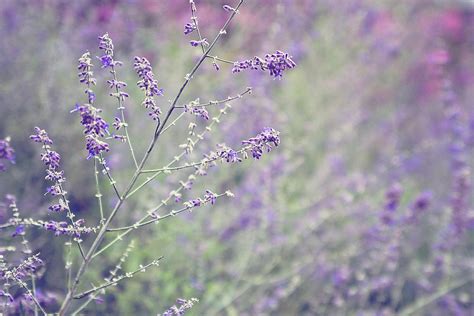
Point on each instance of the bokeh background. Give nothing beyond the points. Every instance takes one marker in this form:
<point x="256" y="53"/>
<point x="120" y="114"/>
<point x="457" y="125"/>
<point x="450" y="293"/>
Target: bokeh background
<point x="366" y="208"/>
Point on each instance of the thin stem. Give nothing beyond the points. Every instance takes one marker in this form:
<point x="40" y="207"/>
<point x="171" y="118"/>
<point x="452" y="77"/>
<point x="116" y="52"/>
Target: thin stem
<point x="196" y="23"/>
<point x="190" y="165"/>
<point x="107" y="172"/>
<point x="33" y="297"/>
<point x="228" y="99"/>
<point x="98" y="193"/>
<point x="221" y="59"/>
<point x="118" y="279"/>
<point x="84" y="305"/>
<point x="154" y="220"/>
<point x="68" y="262"/>
<point x="103" y="230"/>
<point x="112" y="273"/>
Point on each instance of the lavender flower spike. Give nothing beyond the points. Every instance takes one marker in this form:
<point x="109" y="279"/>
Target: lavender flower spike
<point x="265" y="140"/>
<point x="276" y="63"/>
<point x="149" y="84"/>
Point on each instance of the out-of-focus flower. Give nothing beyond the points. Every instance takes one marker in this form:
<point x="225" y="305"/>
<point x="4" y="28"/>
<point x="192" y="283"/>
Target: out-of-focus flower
<point x="6" y="153"/>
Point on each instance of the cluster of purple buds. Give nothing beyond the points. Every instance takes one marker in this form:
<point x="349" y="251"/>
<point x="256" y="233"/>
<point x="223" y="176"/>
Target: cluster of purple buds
<point x="106" y="45"/>
<point x="149" y="84"/>
<point x="25" y="269"/>
<point x="209" y="197"/>
<point x="118" y="124"/>
<point x="64" y="228"/>
<point x="200" y="42"/>
<point x="264" y="141"/>
<point x="228" y="154"/>
<point x="6" y="153"/>
<point x="86" y="75"/>
<point x="189" y="28"/>
<point x="51" y="160"/>
<point x="95" y="126"/>
<point x="275" y="63"/>
<point x="182" y="305"/>
<point x="199" y="111"/>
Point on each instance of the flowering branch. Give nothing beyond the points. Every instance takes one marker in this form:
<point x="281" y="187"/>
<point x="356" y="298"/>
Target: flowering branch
<point x="210" y="197"/>
<point x="199" y="137"/>
<point x="158" y="130"/>
<point x="107" y="60"/>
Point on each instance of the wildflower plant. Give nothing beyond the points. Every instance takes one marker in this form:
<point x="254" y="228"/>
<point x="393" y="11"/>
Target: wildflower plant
<point x="85" y="241"/>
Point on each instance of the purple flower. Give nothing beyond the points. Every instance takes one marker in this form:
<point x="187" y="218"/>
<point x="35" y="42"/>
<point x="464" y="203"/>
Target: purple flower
<point x="95" y="146"/>
<point x="51" y="159"/>
<point x="94" y="127"/>
<point x="196" y="202"/>
<point x="276" y="63"/>
<point x="149" y="84"/>
<point x="198" y="111"/>
<point x="106" y="61"/>
<point x="265" y="141"/>
<point x="200" y="42"/>
<point x="41" y="136"/>
<point x="19" y="230"/>
<point x="85" y="70"/>
<point x="6" y="153"/>
<point x="241" y="65"/>
<point x="189" y="28"/>
<point x="57" y="208"/>
<point x="180" y="308"/>
<point x="210" y="197"/>
<point x="91" y="120"/>
<point x="25" y="269"/>
<point x="63" y="228"/>
<point x="228" y="154"/>
<point x="118" y="124"/>
<point x="107" y="46"/>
